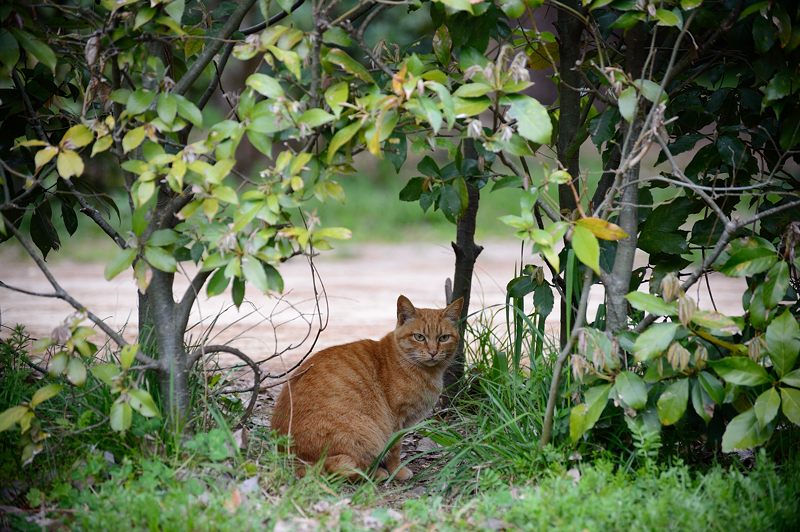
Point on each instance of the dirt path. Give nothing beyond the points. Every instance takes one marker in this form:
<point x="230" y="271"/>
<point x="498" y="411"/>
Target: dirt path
<point x="361" y="283"/>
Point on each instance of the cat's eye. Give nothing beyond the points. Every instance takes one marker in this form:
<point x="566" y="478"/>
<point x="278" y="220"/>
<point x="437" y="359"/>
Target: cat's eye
<point x="444" y="337"/>
<point x="419" y="337"/>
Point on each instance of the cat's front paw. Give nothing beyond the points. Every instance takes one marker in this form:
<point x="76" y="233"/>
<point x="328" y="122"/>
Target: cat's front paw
<point x="403" y="474"/>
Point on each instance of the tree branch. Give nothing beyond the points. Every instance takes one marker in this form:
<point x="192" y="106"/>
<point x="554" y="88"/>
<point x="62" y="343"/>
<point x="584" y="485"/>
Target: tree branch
<point x="213" y="47"/>
<point x="274" y="19"/>
<point x="62" y="294"/>
<point x="95" y="215"/>
<point x="184" y="308"/>
<point x="727" y="233"/>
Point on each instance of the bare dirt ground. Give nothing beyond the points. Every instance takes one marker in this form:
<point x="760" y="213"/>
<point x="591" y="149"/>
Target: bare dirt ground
<point x="360" y="286"/>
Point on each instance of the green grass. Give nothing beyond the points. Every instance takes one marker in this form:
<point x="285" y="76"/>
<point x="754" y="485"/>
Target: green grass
<point x="491" y="475"/>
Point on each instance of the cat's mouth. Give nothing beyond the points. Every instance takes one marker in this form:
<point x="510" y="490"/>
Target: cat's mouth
<point x="430" y="361"/>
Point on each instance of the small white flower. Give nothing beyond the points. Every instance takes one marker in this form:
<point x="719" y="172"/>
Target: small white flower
<point x="475" y="129"/>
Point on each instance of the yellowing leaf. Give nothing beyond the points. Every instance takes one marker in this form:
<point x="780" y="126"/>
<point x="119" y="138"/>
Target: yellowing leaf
<point x="77" y="136"/>
<point x="44" y="156"/>
<point x="69" y="164"/>
<point x="44" y="393"/>
<point x="132" y="139"/>
<point x="102" y="144"/>
<point x="602" y="228"/>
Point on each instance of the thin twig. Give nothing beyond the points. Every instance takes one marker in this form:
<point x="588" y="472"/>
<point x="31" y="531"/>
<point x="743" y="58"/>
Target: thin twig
<point x="65" y="296"/>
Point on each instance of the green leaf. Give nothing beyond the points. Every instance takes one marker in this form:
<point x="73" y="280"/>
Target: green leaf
<point x="69" y="164"/>
<point x="143" y="15"/>
<point x="341" y="138"/>
<point x="717" y="322"/>
<point x="265" y="85"/>
<point x="237" y="291"/>
<point x="748" y="261"/>
<point x="533" y="122"/>
<point x="337" y="36"/>
<point x="766" y="406"/>
<point x="127" y="355"/>
<point x="583" y="416"/>
<point x="672" y="402"/>
<point x="43" y="53"/>
<point x="472" y="90"/>
<point x="133" y="139"/>
<point x="340" y="58"/>
<point x="44" y="393"/>
<point x="792" y="378"/>
<point x="121" y="261"/>
<point x="651" y="304"/>
<point x="11" y="417"/>
<point x="336" y="95"/>
<point x="121" y="416"/>
<point x="790" y="399"/>
<point x="712" y="386"/>
<point x="702" y="403"/>
<point x="442" y="45"/>
<point x="627" y="103"/>
<point x="160" y="259"/>
<point x="189" y="111"/>
<point x="106" y="373"/>
<point x="512" y="8"/>
<point x="631" y="390"/>
<point x="413" y="189"/>
<point x="139" y="101"/>
<point x="654" y="341"/>
<point x="783" y="342"/>
<point x="690" y="4"/>
<point x="586" y="247"/>
<point x="744" y="432"/>
<point x="217" y="284"/>
<point x="668" y="18"/>
<point x="76" y="371"/>
<point x="776" y="284"/>
<point x="740" y="370"/>
<point x="167" y="107"/>
<point x="315" y="118"/>
<point x="142" y="402"/>
<point x="58" y="364"/>
<point x="225" y="194"/>
<point x="254" y="273"/>
<point x="9" y="51"/>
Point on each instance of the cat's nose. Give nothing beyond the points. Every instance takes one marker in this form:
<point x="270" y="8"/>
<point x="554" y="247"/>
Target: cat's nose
<point x="433" y="353"/>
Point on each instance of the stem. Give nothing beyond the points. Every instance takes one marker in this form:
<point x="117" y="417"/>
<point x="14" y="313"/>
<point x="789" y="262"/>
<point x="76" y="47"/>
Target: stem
<point x="212" y="47"/>
<point x="547" y="426"/>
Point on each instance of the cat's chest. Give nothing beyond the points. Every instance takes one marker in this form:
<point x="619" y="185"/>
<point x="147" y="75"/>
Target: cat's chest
<point x="414" y="405"/>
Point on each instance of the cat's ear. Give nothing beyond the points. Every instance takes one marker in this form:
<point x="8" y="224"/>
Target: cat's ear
<point x="405" y="310"/>
<point x="453" y="310"/>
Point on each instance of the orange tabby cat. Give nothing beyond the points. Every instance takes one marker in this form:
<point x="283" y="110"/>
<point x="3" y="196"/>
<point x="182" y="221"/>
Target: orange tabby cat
<point x="345" y="402"/>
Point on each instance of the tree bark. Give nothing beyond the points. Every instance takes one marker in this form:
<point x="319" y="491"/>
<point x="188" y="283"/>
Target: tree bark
<point x="466" y="252"/>
<point x="168" y="337"/>
<point x="570" y="31"/>
<point x="620" y="278"/>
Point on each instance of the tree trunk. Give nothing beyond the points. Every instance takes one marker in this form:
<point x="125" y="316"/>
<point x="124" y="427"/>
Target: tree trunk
<point x="174" y="377"/>
<point x="570" y="30"/>
<point x="620" y="278"/>
<point x="466" y="252"/>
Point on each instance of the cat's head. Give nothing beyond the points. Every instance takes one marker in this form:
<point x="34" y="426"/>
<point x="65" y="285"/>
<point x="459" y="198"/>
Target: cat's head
<point x="427" y="337"/>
